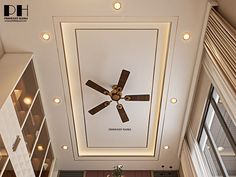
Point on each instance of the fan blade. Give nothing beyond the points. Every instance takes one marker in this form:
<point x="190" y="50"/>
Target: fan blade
<point x="99" y="107"/>
<point x="97" y="87"/>
<point x="122" y="113"/>
<point x="123" y="78"/>
<point x="137" y="97"/>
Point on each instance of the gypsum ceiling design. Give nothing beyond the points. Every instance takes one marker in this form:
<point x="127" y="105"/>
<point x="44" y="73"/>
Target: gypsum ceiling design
<point x="141" y="49"/>
<point x="115" y="95"/>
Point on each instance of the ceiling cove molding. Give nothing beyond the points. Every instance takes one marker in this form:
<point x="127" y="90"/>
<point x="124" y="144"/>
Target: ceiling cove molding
<point x="66" y="29"/>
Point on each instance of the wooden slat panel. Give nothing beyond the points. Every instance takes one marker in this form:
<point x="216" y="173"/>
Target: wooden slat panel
<point x="71" y="174"/>
<point x="129" y="173"/>
<point x="220" y="44"/>
<point x="165" y="174"/>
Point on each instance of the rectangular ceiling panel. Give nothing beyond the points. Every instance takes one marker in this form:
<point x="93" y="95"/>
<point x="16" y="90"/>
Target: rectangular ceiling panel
<point x="99" y="52"/>
<point x="102" y="55"/>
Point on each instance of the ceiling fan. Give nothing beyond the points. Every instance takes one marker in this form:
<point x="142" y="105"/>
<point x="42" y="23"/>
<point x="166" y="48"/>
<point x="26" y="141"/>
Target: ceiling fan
<point x="115" y="95"/>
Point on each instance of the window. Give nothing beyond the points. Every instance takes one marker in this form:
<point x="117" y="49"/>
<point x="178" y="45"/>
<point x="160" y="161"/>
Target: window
<point x="217" y="138"/>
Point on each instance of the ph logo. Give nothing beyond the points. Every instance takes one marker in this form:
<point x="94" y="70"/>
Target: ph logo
<point x="17" y="10"/>
<point x="16" y="13"/>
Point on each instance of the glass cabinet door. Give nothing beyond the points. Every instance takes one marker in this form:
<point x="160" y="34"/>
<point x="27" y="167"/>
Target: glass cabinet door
<point x="48" y="163"/>
<point x="40" y="150"/>
<point x="24" y="93"/>
<point x="29" y="120"/>
<point x="33" y="124"/>
<point x="9" y="172"/>
<point x="3" y="155"/>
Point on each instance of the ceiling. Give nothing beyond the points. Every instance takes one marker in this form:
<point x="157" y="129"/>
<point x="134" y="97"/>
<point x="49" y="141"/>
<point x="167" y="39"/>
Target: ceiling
<point x="140" y="48"/>
<point x="91" y="40"/>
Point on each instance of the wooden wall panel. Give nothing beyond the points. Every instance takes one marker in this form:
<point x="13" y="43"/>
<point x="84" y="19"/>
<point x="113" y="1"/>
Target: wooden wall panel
<point x="126" y="173"/>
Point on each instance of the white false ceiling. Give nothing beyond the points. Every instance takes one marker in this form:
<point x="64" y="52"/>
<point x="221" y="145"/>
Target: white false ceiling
<point x="135" y="47"/>
<point x="44" y="16"/>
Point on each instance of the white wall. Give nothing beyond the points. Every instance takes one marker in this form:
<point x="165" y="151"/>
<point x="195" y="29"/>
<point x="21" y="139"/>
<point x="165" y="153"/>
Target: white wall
<point x="200" y="99"/>
<point x="191" y="162"/>
<point x="1" y="49"/>
<point x="181" y="174"/>
<point x="227" y="10"/>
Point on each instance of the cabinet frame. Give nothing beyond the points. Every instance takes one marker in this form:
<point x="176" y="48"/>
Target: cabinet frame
<point x="12" y="69"/>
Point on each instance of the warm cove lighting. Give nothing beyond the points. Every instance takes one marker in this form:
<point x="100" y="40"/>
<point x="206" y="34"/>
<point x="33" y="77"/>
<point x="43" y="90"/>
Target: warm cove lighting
<point x="117" y="5"/>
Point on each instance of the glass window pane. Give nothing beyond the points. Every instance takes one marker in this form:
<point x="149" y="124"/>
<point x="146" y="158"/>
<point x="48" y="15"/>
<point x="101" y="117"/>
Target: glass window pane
<point x="9" y="172"/>
<point x="231" y="125"/>
<point x="209" y="155"/>
<point x="230" y="163"/>
<point x="3" y="154"/>
<point x="228" y="120"/>
<point x="224" y="147"/>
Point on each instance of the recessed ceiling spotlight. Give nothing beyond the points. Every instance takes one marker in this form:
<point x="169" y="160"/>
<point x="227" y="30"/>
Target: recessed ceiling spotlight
<point x="220" y="148"/>
<point x="57" y="100"/>
<point x="27" y="100"/>
<point x="186" y="36"/>
<point x="166" y="147"/>
<point x="173" y="100"/>
<point x="40" y="148"/>
<point x="64" y="147"/>
<point x="117" y="5"/>
<point x="46" y="36"/>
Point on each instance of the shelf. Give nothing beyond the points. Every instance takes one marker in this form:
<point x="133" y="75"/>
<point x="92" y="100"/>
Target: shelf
<point x="26" y="114"/>
<point x="33" y="124"/>
<point x="47" y="162"/>
<point x="40" y="150"/>
<point x="4" y="166"/>
<point x="3" y="155"/>
<point x="37" y="138"/>
<point x="9" y="171"/>
<point x="24" y="93"/>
